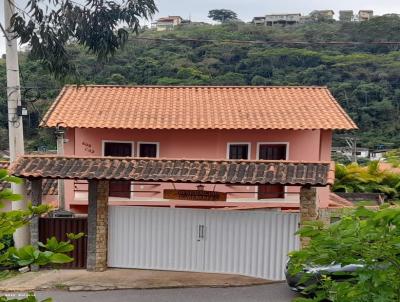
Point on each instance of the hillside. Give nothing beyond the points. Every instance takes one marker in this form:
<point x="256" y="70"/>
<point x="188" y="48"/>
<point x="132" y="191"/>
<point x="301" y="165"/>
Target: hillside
<point x="364" y="78"/>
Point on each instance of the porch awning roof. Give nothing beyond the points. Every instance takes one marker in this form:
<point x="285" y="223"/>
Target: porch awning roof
<point x="238" y="172"/>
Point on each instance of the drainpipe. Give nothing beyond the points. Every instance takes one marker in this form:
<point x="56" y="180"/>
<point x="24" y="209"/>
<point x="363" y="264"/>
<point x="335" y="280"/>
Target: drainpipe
<point x="60" y="152"/>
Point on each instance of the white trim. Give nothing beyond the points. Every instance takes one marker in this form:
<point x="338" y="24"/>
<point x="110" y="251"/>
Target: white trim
<point x="228" y="145"/>
<point x="272" y="143"/>
<point x="103" y="143"/>
<point x="258" y="157"/>
<point x="152" y="143"/>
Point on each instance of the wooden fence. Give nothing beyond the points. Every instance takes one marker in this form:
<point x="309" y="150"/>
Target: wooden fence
<point x="59" y="227"/>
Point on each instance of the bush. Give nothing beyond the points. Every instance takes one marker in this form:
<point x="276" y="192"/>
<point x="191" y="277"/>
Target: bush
<point x="366" y="237"/>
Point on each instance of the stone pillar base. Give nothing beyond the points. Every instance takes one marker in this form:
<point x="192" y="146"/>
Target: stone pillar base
<point x="308" y="209"/>
<point x="97" y="226"/>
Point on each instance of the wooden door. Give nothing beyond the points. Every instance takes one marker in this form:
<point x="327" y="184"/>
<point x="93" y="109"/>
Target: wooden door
<point x="271" y="152"/>
<point x="119" y="188"/>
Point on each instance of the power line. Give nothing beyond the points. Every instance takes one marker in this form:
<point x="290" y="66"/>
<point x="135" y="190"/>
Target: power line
<point x="272" y="42"/>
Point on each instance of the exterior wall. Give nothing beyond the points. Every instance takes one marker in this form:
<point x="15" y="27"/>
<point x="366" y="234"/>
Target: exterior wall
<point x="283" y="17"/>
<point x="306" y="145"/>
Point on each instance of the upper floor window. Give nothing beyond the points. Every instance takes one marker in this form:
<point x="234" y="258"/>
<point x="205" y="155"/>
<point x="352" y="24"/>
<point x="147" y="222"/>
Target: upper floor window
<point x="148" y="149"/>
<point x="238" y="151"/>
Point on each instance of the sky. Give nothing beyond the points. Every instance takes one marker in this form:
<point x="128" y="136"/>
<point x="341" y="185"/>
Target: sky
<point x="246" y="9"/>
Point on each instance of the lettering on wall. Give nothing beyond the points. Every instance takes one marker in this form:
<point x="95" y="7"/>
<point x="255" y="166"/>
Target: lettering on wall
<point x="88" y="147"/>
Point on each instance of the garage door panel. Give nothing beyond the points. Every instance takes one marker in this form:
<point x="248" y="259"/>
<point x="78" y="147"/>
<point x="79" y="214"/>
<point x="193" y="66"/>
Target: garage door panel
<point x="155" y="238"/>
<point x="237" y="242"/>
<point x="249" y="243"/>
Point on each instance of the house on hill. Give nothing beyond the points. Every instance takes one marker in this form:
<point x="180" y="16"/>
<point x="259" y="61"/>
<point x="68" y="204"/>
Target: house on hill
<point x="322" y="15"/>
<point x="365" y="15"/>
<point x="167" y="23"/>
<point x="346" y="15"/>
<point x="282" y="19"/>
<point x="221" y="123"/>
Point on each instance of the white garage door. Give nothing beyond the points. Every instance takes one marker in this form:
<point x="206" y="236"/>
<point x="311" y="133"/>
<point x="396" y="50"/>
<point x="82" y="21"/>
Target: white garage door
<point x="237" y="242"/>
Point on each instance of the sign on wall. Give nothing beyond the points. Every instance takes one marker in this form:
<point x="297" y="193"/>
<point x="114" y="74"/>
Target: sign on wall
<point x="194" y="195"/>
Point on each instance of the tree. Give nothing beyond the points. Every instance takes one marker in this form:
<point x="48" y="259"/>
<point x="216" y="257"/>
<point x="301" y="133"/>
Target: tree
<point x="222" y="15"/>
<point x="365" y="237"/>
<point x="51" y="252"/>
<point x="370" y="178"/>
<point x="47" y="26"/>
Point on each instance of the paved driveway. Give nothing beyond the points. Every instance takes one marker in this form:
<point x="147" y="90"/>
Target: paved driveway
<point x="278" y="292"/>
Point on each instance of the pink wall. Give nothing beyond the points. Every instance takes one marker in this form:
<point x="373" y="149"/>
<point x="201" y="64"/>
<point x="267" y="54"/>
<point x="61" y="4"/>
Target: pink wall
<point x="307" y="145"/>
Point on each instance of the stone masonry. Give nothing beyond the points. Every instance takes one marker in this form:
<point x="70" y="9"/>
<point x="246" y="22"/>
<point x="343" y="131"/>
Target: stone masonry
<point x="308" y="208"/>
<point x="97" y="225"/>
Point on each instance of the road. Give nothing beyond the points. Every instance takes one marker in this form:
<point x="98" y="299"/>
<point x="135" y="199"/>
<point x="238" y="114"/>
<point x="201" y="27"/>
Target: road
<point x="278" y="292"/>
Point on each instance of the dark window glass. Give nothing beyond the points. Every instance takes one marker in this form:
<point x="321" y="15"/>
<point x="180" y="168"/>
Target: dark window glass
<point x="271" y="152"/>
<point x="148" y="150"/>
<point x="239" y="151"/>
<point x="119" y="188"/>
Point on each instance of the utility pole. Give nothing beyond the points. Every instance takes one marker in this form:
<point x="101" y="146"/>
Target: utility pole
<point x="352" y="143"/>
<point x="15" y="126"/>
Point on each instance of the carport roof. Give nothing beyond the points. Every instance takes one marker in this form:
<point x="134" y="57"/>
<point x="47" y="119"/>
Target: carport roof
<point x="239" y="172"/>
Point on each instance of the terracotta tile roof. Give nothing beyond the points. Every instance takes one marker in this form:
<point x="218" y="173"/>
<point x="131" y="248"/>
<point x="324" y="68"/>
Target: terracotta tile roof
<point x="197" y="107"/>
<point x="49" y="186"/>
<point x="175" y="170"/>
<point x="335" y="201"/>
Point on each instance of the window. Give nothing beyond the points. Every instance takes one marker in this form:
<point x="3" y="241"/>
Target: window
<point x="119" y="188"/>
<point x="148" y="149"/>
<point x="239" y="151"/>
<point x="271" y="152"/>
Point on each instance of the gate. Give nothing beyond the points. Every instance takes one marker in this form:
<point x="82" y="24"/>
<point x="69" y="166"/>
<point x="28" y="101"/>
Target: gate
<point x="253" y="243"/>
<point x="59" y="227"/>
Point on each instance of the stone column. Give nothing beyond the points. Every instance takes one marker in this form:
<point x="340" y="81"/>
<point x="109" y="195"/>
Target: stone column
<point x="97" y="225"/>
<point x="308" y="208"/>
<point x="36" y="198"/>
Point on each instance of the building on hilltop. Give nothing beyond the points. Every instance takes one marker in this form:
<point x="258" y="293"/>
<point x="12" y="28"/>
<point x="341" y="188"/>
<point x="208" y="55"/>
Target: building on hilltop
<point x="346" y="15"/>
<point x="365" y="15"/>
<point x="258" y="21"/>
<point x="322" y="15"/>
<point x="167" y="23"/>
<point x="282" y="19"/>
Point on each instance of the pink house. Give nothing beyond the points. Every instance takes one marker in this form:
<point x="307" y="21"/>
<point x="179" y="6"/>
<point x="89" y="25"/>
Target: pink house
<point x="189" y="122"/>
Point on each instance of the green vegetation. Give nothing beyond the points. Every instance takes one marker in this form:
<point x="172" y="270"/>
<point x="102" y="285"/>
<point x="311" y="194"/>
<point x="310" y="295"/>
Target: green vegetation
<point x="52" y="252"/>
<point x="356" y="178"/>
<point x="364" y="78"/>
<point x="366" y="237"/>
<point x="393" y="157"/>
<point x="222" y="15"/>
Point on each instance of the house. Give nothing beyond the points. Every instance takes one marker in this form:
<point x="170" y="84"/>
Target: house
<point x="197" y="122"/>
<point x="378" y="154"/>
<point x="258" y="21"/>
<point x="305" y="19"/>
<point x="282" y="19"/>
<point x="365" y="15"/>
<point x="322" y="15"/>
<point x="346" y="15"/>
<point x="192" y="178"/>
<point x="167" y="23"/>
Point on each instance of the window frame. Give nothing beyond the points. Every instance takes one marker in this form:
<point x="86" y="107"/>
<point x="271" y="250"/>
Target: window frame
<point x="103" y="145"/>
<point x="258" y="158"/>
<point x="150" y="143"/>
<point x="103" y="148"/>
<point x="272" y="143"/>
<point x="228" y="148"/>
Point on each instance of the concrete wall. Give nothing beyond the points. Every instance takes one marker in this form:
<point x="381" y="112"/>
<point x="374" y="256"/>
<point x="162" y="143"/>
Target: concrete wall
<point x="306" y="145"/>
